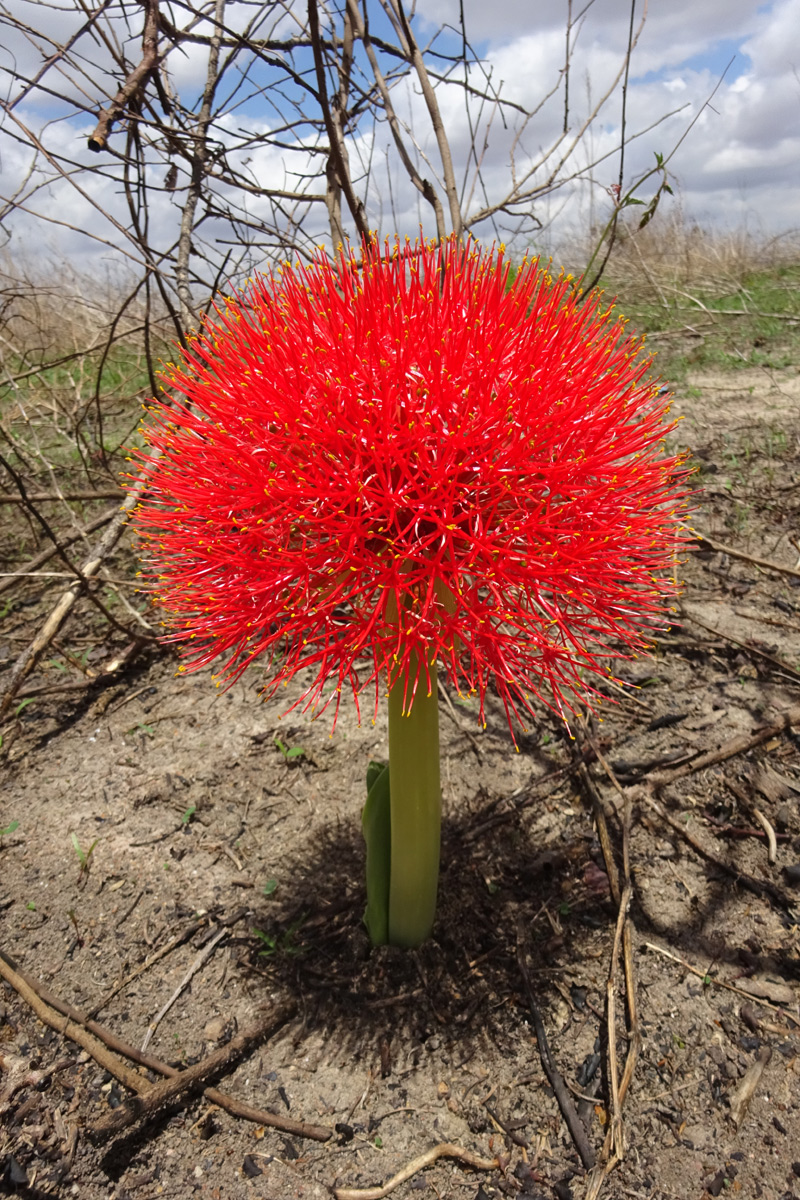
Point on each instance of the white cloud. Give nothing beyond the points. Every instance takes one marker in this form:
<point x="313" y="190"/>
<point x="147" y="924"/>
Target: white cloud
<point x="739" y="158"/>
<point x="743" y="151"/>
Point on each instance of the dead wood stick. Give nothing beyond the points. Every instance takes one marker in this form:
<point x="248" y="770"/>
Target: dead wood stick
<point x="575" y="1125"/>
<point x="613" y="1150"/>
<point x="52" y="551"/>
<point x="599" y="810"/>
<point x="104" y="678"/>
<point x="748" y="646"/>
<point x="615" y="1134"/>
<point x="761" y="887"/>
<point x="76" y="1033"/>
<point x="737" y="745"/>
<point x="31" y="655"/>
<point x="40" y="497"/>
<point x="744" y="831"/>
<point x="711" y="981"/>
<point x="117" y="1044"/>
<point x="766" y="563"/>
<point x="198" y="961"/>
<point x="635" y="1035"/>
<point x="263" y="1116"/>
<point x="772" y="840"/>
<point x="509" y="1128"/>
<point x="443" y="1150"/>
<point x="140" y="1107"/>
<point x="173" y="944"/>
<point x="634" y="1031"/>
<point x="237" y="1108"/>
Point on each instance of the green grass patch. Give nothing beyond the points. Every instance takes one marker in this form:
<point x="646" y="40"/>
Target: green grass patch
<point x="723" y="325"/>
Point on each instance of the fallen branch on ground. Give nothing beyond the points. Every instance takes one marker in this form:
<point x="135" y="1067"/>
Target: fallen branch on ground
<point x="737" y="745"/>
<point x="49" y="1006"/>
<point x="158" y="1096"/>
<point x="576" y="1127"/>
<point x="45" y="556"/>
<point x="766" y="563"/>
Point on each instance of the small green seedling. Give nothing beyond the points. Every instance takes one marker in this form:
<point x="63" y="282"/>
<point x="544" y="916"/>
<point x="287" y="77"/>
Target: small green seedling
<point x="187" y="816"/>
<point x="23" y="704"/>
<point x="31" y="907"/>
<point x="270" y="941"/>
<point x="8" y="829"/>
<point x="270" y="887"/>
<point x="289" y="754"/>
<point x="140" y="727"/>
<point x="84" y="856"/>
<point x="281" y="943"/>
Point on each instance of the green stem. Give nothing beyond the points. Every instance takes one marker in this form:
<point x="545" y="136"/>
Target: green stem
<point x="416" y="809"/>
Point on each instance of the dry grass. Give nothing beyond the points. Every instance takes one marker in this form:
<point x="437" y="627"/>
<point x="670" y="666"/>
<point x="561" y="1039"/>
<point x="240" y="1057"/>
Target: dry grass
<point x="675" y="253"/>
<point x="709" y="300"/>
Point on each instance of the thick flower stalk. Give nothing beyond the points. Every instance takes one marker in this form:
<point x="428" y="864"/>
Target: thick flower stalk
<point x="404" y="462"/>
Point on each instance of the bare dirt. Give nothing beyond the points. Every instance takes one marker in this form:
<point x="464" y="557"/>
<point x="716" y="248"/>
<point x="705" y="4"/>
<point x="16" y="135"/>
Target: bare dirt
<point x="200" y="846"/>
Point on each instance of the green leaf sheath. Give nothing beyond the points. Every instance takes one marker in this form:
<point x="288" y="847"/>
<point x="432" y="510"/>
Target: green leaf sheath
<point x="415" y="810"/>
<point x="376" y="825"/>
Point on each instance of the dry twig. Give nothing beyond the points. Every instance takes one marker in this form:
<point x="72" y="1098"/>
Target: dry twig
<point x="613" y="1150"/>
<point x="236" y="1108"/>
<point x="443" y="1150"/>
<point x="748" y="646"/>
<point x="148" y="1103"/>
<point x="766" y="563"/>
<point x="200" y="959"/>
<point x="41" y="497"/>
<point x="31" y="655"/>
<point x="39" y="561"/>
<point x="761" y="887"/>
<point x="711" y="980"/>
<point x="575" y="1125"/>
<point x="737" y="745"/>
<point x="152" y="959"/>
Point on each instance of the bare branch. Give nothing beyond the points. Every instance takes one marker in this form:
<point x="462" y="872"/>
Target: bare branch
<point x="130" y="91"/>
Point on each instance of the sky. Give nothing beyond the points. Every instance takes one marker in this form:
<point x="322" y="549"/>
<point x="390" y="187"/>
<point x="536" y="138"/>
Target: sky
<point x="714" y="88"/>
<point x="739" y="164"/>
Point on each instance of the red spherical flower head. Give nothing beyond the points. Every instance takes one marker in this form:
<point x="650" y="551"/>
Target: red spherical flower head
<point x="405" y="458"/>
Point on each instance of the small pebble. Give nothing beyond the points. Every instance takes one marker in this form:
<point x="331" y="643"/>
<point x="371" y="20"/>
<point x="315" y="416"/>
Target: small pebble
<point x="714" y="1186"/>
<point x="783" y="818"/>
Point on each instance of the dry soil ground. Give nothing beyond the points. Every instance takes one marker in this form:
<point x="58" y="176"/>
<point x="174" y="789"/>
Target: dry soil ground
<point x="208" y="867"/>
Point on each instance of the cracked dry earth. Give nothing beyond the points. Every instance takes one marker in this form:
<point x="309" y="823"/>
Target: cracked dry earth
<point x="210" y="869"/>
